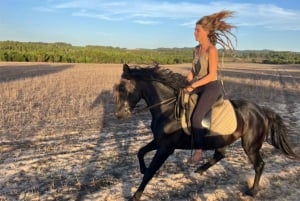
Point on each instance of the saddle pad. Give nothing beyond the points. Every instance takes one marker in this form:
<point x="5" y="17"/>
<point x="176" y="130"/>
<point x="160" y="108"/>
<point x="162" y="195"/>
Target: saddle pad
<point x="220" y="121"/>
<point x="223" y="119"/>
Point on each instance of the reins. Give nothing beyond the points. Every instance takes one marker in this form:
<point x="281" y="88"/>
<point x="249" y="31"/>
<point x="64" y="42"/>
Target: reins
<point x="167" y="102"/>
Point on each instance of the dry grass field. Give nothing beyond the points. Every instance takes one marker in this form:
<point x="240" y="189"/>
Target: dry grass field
<point x="59" y="139"/>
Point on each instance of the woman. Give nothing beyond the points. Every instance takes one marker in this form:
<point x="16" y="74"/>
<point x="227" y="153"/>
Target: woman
<point x="209" y="31"/>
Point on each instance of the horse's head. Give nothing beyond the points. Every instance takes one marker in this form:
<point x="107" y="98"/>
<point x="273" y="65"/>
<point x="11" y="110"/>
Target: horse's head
<point x="126" y="95"/>
<point x="153" y="84"/>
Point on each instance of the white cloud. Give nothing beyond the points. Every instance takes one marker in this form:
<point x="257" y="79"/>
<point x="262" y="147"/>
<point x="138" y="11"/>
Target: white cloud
<point x="146" y="22"/>
<point x="44" y="9"/>
<point x="268" y="16"/>
<point x="85" y="13"/>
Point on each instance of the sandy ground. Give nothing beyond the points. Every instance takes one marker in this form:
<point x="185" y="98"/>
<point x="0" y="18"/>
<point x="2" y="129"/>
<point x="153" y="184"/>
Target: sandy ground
<point x="94" y="158"/>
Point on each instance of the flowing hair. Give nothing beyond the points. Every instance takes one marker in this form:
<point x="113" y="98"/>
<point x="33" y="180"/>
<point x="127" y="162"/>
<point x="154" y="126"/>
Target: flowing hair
<point x="219" y="30"/>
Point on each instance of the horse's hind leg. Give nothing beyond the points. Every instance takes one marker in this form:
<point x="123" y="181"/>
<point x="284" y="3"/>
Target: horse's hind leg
<point x="259" y="164"/>
<point x="252" y="150"/>
<point x="218" y="155"/>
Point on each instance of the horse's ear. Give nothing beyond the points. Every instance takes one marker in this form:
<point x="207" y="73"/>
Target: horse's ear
<point x="125" y="68"/>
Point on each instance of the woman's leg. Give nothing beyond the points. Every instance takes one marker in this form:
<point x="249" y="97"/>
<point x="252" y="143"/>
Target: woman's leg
<point x="207" y="97"/>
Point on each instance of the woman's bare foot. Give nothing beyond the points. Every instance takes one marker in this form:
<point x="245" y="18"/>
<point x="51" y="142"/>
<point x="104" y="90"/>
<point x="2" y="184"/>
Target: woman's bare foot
<point x="196" y="158"/>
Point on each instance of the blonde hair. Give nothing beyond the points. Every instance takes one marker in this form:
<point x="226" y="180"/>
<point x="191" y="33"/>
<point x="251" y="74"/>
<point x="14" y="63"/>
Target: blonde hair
<point x="219" y="30"/>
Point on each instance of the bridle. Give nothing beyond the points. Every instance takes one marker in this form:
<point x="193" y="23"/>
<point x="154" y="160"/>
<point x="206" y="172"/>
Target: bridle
<point x="139" y="110"/>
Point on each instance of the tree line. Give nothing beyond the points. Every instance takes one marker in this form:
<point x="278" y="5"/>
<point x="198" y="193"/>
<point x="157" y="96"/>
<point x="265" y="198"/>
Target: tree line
<point x="67" y="53"/>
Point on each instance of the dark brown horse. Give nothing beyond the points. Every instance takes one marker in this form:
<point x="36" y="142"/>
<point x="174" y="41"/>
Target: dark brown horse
<point x="158" y="87"/>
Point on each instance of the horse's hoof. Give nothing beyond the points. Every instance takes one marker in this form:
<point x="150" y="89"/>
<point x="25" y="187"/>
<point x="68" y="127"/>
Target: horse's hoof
<point x="136" y="197"/>
<point x="199" y="171"/>
<point x="251" y="192"/>
<point x="132" y="199"/>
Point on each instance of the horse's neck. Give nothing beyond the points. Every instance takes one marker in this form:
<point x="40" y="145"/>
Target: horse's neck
<point x="156" y="94"/>
<point x="163" y="117"/>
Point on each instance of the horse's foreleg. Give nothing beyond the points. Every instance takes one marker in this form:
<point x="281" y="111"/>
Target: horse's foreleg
<point x="218" y="155"/>
<point x="141" y="153"/>
<point x="159" y="158"/>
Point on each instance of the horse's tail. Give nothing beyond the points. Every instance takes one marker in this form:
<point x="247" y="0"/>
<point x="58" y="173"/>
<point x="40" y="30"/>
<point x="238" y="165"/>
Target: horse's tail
<point x="277" y="134"/>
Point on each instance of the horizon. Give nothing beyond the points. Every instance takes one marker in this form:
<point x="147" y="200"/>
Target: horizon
<point x="261" y="25"/>
<point x="139" y="48"/>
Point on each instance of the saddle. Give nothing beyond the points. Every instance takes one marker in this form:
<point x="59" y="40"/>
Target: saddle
<point x="220" y="120"/>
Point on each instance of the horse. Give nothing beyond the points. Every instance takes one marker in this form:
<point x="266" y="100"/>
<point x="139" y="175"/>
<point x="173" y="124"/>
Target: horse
<point x="158" y="87"/>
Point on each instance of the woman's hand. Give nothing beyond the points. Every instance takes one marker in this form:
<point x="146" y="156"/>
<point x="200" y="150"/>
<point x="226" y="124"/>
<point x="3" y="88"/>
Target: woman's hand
<point x="190" y="88"/>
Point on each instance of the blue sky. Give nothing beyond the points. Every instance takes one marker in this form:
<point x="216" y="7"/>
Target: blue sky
<point x="261" y="24"/>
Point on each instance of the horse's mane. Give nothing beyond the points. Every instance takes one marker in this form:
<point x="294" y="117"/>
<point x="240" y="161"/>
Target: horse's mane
<point x="157" y="73"/>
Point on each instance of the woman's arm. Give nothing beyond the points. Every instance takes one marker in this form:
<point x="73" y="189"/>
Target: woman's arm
<point x="190" y="76"/>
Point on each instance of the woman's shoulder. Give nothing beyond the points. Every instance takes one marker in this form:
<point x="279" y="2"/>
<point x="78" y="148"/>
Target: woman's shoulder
<point x="212" y="50"/>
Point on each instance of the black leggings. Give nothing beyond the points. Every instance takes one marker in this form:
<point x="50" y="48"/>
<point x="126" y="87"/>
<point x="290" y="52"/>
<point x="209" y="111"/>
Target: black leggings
<point x="208" y="94"/>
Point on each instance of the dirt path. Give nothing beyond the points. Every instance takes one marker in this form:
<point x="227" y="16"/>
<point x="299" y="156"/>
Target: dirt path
<point x="289" y="104"/>
<point x="89" y="155"/>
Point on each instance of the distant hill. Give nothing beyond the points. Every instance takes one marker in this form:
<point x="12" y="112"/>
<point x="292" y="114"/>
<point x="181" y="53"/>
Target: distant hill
<point x="64" y="52"/>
